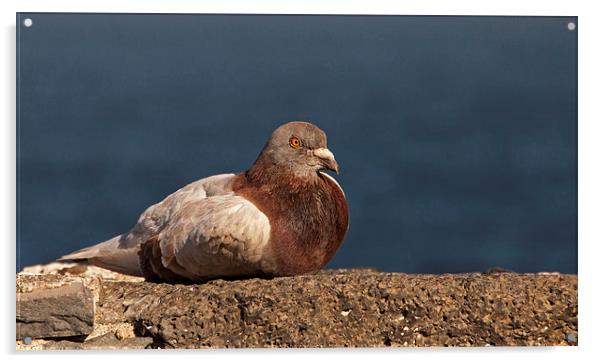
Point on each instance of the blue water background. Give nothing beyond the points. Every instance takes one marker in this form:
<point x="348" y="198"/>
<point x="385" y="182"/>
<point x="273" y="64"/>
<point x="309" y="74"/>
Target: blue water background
<point x="456" y="136"/>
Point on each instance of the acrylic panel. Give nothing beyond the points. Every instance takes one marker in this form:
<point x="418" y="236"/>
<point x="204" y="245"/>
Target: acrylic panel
<point x="456" y="136"/>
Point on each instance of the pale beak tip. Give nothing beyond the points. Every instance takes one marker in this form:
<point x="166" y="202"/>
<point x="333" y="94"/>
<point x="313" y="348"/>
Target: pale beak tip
<point x="327" y="159"/>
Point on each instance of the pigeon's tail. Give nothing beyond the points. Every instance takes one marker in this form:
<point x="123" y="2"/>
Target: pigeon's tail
<point x="110" y="255"/>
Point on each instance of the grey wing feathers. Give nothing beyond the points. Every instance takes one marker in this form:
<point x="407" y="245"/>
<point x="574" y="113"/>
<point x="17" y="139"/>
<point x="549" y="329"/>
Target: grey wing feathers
<point x="121" y="252"/>
<point x="158" y="216"/>
<point x="217" y="237"/>
<point x="109" y="255"/>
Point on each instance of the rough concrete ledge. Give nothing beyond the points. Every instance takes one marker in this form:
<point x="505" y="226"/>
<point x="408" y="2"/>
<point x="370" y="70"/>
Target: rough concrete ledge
<point x="336" y="308"/>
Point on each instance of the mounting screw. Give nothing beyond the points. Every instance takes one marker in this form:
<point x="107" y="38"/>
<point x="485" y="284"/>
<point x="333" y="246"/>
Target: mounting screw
<point x="571" y="338"/>
<point x="571" y="26"/>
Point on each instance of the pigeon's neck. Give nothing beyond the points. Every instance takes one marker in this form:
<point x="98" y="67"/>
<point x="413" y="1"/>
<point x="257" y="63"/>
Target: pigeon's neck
<point x="265" y="173"/>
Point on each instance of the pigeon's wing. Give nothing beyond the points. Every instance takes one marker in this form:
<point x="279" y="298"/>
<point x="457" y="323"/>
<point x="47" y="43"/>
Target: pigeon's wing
<point x="156" y="217"/>
<point x="120" y="253"/>
<point x="218" y="236"/>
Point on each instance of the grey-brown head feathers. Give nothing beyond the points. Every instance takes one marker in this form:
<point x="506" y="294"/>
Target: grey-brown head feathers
<point x="298" y="147"/>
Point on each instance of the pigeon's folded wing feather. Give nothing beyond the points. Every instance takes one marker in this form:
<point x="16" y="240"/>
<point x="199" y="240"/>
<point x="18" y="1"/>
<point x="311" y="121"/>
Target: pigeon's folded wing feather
<point x="219" y="236"/>
<point x="158" y="216"/>
<point x="120" y="253"/>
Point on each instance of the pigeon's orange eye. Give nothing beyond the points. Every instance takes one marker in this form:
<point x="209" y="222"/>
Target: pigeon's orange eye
<point x="294" y="142"/>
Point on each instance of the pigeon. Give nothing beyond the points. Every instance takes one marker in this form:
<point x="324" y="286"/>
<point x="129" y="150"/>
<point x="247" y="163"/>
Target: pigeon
<point x="284" y="216"/>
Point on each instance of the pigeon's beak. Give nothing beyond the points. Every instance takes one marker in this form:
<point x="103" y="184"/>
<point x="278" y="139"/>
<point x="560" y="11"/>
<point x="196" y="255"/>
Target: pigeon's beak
<point x="327" y="159"/>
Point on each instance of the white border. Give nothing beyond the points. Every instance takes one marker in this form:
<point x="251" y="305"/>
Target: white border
<point x="416" y="7"/>
<point x="590" y="138"/>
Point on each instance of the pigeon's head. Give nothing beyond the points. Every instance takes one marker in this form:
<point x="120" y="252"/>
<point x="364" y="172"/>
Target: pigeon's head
<point x="299" y="146"/>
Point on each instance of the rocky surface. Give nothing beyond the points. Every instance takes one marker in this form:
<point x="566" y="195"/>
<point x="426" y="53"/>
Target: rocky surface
<point x="63" y="311"/>
<point x="335" y="308"/>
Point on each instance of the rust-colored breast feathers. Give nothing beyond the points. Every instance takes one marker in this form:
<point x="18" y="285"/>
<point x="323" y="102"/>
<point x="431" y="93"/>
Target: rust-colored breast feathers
<point x="308" y="219"/>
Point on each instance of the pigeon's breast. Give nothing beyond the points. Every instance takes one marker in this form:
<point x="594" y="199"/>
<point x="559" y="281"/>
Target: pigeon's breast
<point x="308" y="221"/>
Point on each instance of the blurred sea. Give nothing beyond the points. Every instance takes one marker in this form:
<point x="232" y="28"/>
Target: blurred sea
<point x="456" y="136"/>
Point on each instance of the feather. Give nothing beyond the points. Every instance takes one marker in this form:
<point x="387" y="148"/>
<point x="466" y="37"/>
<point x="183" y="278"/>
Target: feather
<point x="109" y="255"/>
